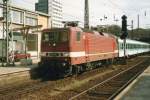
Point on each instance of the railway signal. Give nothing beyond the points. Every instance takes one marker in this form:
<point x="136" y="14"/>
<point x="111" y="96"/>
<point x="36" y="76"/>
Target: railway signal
<point x="124" y="35"/>
<point x="124" y="27"/>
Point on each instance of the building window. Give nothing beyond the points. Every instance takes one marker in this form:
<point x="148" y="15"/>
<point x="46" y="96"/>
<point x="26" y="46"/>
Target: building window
<point x="32" y="42"/>
<point x="31" y="21"/>
<point x="17" y="17"/>
<point x="1" y="12"/>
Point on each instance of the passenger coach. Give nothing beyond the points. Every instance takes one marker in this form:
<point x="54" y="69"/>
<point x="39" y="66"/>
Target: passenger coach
<point x="133" y="47"/>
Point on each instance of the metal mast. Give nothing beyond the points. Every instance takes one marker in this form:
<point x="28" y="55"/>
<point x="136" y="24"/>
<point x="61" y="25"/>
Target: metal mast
<point x="138" y="21"/>
<point x="86" y="15"/>
<point x="131" y="29"/>
<point x="6" y="28"/>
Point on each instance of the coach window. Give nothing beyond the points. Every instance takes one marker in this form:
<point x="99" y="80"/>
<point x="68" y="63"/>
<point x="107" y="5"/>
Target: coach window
<point x="126" y="46"/>
<point x="78" y="36"/>
<point x="129" y="46"/>
<point x="132" y="46"/>
<point x="122" y="45"/>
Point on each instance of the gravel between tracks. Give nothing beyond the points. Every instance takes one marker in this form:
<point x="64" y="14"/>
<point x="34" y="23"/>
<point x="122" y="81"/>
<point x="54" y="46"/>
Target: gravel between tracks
<point x="64" y="88"/>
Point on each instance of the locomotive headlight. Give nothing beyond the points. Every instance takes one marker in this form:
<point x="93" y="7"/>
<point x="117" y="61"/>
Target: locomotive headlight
<point x="54" y="44"/>
<point x="66" y="54"/>
<point x="43" y="54"/>
<point x="64" y="64"/>
<point x="66" y="59"/>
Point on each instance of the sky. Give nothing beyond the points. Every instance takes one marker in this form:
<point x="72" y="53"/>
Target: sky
<point x="28" y="4"/>
<point x="74" y="10"/>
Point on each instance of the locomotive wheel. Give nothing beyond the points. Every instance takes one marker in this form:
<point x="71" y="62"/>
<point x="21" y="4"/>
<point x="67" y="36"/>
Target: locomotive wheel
<point x="75" y="70"/>
<point x="88" y="66"/>
<point x="78" y="69"/>
<point x="69" y="72"/>
<point x="111" y="61"/>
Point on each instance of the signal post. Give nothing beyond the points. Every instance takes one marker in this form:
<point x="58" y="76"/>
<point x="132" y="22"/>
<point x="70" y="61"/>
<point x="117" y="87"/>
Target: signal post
<point x="124" y="34"/>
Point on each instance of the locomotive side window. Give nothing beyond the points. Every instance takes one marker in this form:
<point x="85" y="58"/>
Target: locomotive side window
<point x="63" y="36"/>
<point x="78" y="36"/>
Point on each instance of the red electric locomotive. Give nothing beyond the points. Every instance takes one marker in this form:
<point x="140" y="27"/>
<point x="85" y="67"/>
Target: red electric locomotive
<point x="73" y="50"/>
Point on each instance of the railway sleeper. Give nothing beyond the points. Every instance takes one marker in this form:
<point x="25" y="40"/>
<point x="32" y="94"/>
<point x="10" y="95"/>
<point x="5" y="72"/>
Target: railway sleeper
<point x="93" y="98"/>
<point x="117" y="84"/>
<point x="109" y="85"/>
<point x="99" y="93"/>
<point x="87" y="97"/>
<point x="109" y="89"/>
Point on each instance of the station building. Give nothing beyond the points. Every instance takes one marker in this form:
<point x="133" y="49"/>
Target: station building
<point x="20" y="17"/>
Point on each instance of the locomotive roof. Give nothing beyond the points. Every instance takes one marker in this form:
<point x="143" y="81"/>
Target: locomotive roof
<point x="84" y="30"/>
<point x="54" y="29"/>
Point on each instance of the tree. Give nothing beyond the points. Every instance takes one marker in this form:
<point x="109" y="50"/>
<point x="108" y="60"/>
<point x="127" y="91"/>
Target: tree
<point x="140" y="34"/>
<point x="114" y="29"/>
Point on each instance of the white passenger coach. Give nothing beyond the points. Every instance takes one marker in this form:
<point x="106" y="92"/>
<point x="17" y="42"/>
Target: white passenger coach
<point x="133" y="47"/>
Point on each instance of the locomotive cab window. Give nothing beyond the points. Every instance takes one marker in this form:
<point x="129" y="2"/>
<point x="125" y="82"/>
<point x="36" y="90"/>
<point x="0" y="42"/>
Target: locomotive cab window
<point x="55" y="36"/>
<point x="78" y="36"/>
<point x="45" y="37"/>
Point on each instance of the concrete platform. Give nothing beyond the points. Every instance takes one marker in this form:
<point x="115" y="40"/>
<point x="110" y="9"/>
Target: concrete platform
<point x="18" y="67"/>
<point x="145" y="56"/>
<point x="8" y="70"/>
<point x="139" y="89"/>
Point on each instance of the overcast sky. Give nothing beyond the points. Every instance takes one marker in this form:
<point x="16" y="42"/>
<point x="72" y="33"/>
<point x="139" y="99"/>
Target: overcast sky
<point x="28" y="4"/>
<point x="74" y="10"/>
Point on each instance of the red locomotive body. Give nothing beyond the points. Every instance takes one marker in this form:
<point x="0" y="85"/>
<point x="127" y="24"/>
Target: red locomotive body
<point x="72" y="48"/>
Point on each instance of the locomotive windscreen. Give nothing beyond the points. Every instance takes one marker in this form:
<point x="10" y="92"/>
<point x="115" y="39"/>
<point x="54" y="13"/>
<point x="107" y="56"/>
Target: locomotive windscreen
<point x="55" y="36"/>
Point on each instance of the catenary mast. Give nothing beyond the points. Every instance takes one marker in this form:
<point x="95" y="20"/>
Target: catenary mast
<point x="86" y="15"/>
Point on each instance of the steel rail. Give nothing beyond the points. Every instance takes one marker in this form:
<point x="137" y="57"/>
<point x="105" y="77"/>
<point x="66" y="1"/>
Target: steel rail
<point x="124" y="86"/>
<point x="8" y="74"/>
<point x="107" y="80"/>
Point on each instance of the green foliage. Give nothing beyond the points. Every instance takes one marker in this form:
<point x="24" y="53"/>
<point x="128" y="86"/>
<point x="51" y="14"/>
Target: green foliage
<point x="113" y="29"/>
<point x="140" y="34"/>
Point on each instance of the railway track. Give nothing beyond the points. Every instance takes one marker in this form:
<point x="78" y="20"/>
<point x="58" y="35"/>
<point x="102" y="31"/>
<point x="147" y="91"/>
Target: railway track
<point x="10" y="78"/>
<point x="111" y="87"/>
<point x="14" y="92"/>
<point x="17" y="92"/>
<point x="43" y="90"/>
<point x="11" y="81"/>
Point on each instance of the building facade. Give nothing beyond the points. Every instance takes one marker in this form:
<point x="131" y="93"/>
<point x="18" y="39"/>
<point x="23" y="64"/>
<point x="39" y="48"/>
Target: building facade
<point x="54" y="9"/>
<point x="23" y="4"/>
<point x="19" y="18"/>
